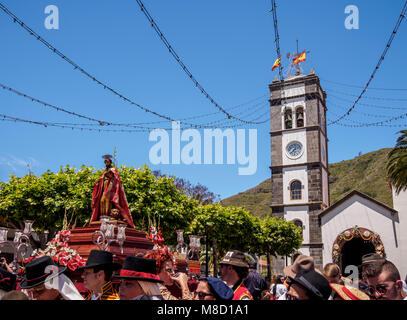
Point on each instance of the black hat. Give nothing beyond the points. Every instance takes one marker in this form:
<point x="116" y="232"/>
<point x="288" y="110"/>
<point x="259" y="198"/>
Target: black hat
<point x="101" y="259"/>
<point x="316" y="284"/>
<point x="235" y="258"/>
<point x="7" y="280"/>
<point x="39" y="271"/>
<point x="138" y="268"/>
<point x="219" y="288"/>
<point x="372" y="257"/>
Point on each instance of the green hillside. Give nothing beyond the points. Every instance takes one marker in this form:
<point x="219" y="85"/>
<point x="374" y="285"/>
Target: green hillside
<point x="366" y="173"/>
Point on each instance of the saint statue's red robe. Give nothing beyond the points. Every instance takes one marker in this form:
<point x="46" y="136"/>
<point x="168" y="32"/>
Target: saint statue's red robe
<point x="115" y="193"/>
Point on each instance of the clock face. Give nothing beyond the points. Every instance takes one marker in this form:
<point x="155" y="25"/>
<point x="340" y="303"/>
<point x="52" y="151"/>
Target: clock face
<point x="294" y="149"/>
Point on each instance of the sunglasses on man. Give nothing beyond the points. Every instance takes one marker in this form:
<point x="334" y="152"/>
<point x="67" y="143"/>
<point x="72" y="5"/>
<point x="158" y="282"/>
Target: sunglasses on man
<point x="202" y="295"/>
<point x="380" y="288"/>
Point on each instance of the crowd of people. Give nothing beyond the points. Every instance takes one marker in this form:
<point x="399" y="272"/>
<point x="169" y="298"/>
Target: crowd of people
<point x="155" y="276"/>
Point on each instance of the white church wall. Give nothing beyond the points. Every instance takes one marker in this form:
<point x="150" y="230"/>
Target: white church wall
<point x="290" y="136"/>
<point x="400" y="204"/>
<point x="363" y="213"/>
<point x="300" y="213"/>
<point x="294" y="90"/>
<point x="291" y="174"/>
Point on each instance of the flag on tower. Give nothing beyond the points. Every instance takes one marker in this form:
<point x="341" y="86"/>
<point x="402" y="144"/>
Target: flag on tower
<point x="277" y="63"/>
<point x="299" y="58"/>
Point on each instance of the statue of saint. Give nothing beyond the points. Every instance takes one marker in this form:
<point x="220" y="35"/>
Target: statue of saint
<point x="108" y="197"/>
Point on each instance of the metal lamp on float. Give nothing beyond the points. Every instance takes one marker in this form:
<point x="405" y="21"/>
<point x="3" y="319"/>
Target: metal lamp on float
<point x="106" y="235"/>
<point x="20" y="244"/>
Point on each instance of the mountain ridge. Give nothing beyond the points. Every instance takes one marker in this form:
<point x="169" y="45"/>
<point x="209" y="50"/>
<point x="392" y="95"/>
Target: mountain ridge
<point x="365" y="173"/>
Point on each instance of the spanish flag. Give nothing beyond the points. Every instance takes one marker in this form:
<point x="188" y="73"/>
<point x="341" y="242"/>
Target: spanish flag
<point x="299" y="58"/>
<point x="277" y="63"/>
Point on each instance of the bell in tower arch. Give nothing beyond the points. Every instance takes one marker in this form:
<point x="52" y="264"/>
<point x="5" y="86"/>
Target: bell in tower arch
<point x="288" y="119"/>
<point x="300" y="117"/>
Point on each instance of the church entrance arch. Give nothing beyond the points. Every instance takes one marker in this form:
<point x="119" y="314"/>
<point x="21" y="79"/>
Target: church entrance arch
<point x="353" y="243"/>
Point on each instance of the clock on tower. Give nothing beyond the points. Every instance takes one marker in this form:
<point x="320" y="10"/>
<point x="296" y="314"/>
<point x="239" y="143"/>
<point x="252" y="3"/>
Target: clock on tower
<point x="299" y="172"/>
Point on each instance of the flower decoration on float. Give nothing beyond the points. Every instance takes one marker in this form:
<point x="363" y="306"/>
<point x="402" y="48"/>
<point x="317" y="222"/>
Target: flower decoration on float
<point x="155" y="235"/>
<point x="60" y="252"/>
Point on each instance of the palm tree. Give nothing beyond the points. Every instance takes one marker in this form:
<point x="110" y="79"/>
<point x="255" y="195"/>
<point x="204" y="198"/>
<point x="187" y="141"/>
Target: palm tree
<point x="397" y="163"/>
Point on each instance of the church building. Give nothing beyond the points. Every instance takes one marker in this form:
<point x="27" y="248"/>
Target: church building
<point x="355" y="225"/>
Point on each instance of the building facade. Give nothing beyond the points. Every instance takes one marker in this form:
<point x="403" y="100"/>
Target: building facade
<point x="356" y="224"/>
<point x="299" y="159"/>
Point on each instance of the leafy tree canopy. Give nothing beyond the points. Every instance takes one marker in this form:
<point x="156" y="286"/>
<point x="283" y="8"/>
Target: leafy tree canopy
<point x="47" y="198"/>
<point x="397" y="163"/>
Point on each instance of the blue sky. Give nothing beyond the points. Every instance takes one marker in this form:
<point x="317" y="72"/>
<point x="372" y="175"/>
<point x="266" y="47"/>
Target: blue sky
<point x="227" y="45"/>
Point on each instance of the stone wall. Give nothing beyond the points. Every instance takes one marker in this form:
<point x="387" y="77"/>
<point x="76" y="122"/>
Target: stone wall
<point x="276" y="150"/>
<point x="276" y="122"/>
<point x="315" y="235"/>
<point x="314" y="183"/>
<point x="313" y="146"/>
<point x="277" y="186"/>
<point x="311" y="113"/>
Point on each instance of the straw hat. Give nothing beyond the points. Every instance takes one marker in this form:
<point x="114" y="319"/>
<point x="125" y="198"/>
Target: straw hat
<point x="349" y="293"/>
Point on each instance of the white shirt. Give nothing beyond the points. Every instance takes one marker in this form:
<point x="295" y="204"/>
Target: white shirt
<point x="95" y="296"/>
<point x="280" y="290"/>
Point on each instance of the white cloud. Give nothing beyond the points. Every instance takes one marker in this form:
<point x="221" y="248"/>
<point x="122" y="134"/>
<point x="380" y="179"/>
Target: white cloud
<point x="16" y="163"/>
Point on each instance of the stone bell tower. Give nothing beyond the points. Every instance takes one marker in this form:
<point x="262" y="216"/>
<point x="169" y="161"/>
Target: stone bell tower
<point x="299" y="159"/>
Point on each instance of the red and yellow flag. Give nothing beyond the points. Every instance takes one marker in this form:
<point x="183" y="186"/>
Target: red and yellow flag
<point x="299" y="58"/>
<point x="276" y="64"/>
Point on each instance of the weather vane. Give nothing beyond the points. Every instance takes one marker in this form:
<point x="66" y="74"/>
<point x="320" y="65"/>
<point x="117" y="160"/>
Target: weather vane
<point x="295" y="59"/>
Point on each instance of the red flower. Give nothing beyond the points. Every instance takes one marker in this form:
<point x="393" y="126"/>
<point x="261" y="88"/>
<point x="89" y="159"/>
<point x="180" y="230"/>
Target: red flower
<point x="63" y="261"/>
<point x="62" y="254"/>
<point x="73" y="264"/>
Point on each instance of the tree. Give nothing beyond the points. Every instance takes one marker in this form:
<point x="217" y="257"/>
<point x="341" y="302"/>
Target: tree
<point x="226" y="228"/>
<point x="397" y="163"/>
<point x="198" y="191"/>
<point x="276" y="236"/>
<point x="232" y="227"/>
<point x="49" y="198"/>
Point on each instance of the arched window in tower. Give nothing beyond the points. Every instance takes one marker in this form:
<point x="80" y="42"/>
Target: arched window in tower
<point x="298" y="223"/>
<point x="299" y="116"/>
<point x="295" y="190"/>
<point x="288" y="118"/>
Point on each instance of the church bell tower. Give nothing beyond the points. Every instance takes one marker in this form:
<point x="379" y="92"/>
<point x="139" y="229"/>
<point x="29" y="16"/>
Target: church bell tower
<point x="299" y="159"/>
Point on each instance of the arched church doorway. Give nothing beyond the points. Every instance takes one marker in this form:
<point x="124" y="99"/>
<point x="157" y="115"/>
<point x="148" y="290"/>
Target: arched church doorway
<point x="351" y="244"/>
<point x="352" y="252"/>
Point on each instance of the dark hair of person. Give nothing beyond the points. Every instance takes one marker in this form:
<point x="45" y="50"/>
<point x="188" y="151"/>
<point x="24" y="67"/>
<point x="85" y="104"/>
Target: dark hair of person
<point x="242" y="272"/>
<point x="108" y="272"/>
<point x="376" y="268"/>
